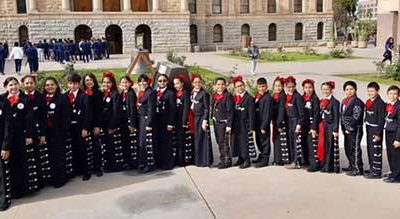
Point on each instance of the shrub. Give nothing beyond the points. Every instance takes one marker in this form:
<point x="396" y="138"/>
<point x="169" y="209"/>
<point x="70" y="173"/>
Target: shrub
<point x="173" y="57"/>
<point x="341" y="53"/>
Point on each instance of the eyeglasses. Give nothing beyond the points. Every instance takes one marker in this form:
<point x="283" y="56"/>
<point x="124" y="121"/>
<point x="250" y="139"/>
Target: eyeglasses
<point x="162" y="81"/>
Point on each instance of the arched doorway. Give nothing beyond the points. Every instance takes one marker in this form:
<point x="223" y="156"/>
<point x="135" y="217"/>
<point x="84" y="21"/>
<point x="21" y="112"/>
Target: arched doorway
<point x="23" y="34"/>
<point x="143" y="37"/>
<point x="114" y="37"/>
<point x="83" y="32"/>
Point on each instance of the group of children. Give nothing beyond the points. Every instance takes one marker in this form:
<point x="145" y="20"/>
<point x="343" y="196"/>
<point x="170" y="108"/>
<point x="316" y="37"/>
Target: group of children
<point x="50" y="137"/>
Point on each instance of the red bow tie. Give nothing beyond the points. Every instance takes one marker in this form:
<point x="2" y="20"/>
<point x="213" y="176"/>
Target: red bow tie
<point x="160" y="93"/>
<point x="325" y="103"/>
<point x="49" y="99"/>
<point x="276" y="96"/>
<point x="107" y="93"/>
<point x="71" y="97"/>
<point x="125" y="95"/>
<point x="347" y="100"/>
<point x="289" y="99"/>
<point x="31" y="96"/>
<point x="390" y="108"/>
<point x="369" y="104"/>
<point x="237" y="99"/>
<point x="89" y="92"/>
<point x="218" y="97"/>
<point x="259" y="96"/>
<point x="13" y="99"/>
<point x="307" y="98"/>
<point x="179" y="93"/>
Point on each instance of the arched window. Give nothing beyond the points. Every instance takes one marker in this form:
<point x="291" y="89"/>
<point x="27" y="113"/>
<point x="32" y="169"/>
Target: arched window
<point x="216" y="6"/>
<point x="320" y="31"/>
<point x="23" y="35"/>
<point x="320" y="5"/>
<point x="218" y="33"/>
<point x="272" y="32"/>
<point x="271" y="6"/>
<point x="193" y="34"/>
<point x="21" y="6"/>
<point x="244" y="6"/>
<point x="245" y="30"/>
<point x="193" y="6"/>
<point x="298" y="35"/>
<point x="298" y="6"/>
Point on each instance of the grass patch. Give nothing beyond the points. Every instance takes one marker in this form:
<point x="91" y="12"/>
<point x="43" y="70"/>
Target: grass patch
<point x="368" y="77"/>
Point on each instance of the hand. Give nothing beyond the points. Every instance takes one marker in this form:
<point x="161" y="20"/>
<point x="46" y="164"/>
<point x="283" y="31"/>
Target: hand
<point x="347" y="132"/>
<point x="298" y="129"/>
<point x="96" y="131"/>
<point x="132" y="130"/>
<point x="28" y="141"/>
<point x="228" y="130"/>
<point x="204" y="126"/>
<point x="335" y="134"/>
<point x="263" y="132"/>
<point x="85" y="133"/>
<point x="5" y="155"/>
<point x="313" y="133"/>
<point x="149" y="129"/>
<point x="42" y="140"/>
<point x="396" y="144"/>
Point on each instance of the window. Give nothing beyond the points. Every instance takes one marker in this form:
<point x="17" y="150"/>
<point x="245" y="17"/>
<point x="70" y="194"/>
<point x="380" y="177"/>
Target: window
<point x="298" y="6"/>
<point x="245" y="30"/>
<point x="320" y="5"/>
<point x="271" y="6"/>
<point x="193" y="34"/>
<point x="218" y="35"/>
<point x="244" y="6"/>
<point x="216" y="7"/>
<point x="21" y="6"/>
<point x="320" y="31"/>
<point x="272" y="32"/>
<point x="298" y="35"/>
<point x="192" y="6"/>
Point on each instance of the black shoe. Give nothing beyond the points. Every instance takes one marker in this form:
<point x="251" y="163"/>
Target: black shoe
<point x="86" y="177"/>
<point x="261" y="164"/>
<point x="99" y="173"/>
<point x="391" y="180"/>
<point x="355" y="173"/>
<point x="238" y="162"/>
<point x="347" y="169"/>
<point x="147" y="170"/>
<point x="245" y="165"/>
<point x="313" y="169"/>
<point x="371" y="176"/>
<point x="4" y="208"/>
<point x="258" y="160"/>
<point x="222" y="165"/>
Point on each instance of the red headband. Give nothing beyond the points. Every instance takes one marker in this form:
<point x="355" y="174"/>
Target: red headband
<point x="181" y="77"/>
<point x="194" y="76"/>
<point x="290" y="79"/>
<point x="109" y="74"/>
<point x="308" y="81"/>
<point x="330" y="83"/>
<point x="237" y="79"/>
<point x="281" y="79"/>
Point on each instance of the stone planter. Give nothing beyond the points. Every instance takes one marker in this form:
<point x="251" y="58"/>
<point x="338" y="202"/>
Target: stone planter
<point x="330" y="44"/>
<point x="354" y="44"/>
<point x="362" y="44"/>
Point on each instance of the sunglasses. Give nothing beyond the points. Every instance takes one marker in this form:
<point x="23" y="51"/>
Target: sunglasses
<point x="162" y="81"/>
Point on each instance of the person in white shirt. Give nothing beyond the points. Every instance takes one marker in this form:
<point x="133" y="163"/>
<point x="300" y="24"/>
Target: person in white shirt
<point x="18" y="54"/>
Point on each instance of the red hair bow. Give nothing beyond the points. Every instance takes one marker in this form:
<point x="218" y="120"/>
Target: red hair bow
<point x="181" y="77"/>
<point x="194" y="76"/>
<point x="237" y="79"/>
<point x="290" y="79"/>
<point x="331" y="84"/>
<point x="308" y="81"/>
<point x="281" y="79"/>
<point x="109" y="74"/>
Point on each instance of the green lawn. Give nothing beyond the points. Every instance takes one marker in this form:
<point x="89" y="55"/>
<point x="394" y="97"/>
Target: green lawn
<point x="285" y="57"/>
<point x="379" y="78"/>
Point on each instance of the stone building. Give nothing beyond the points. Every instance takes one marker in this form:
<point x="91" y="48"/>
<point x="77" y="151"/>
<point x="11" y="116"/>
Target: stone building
<point x="367" y="9"/>
<point x="388" y="21"/>
<point x="159" y="25"/>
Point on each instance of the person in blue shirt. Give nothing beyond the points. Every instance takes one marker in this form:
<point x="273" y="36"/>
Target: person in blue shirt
<point x="388" y="50"/>
<point x="86" y="50"/>
<point x="46" y="50"/>
<point x="3" y="57"/>
<point x="33" y="58"/>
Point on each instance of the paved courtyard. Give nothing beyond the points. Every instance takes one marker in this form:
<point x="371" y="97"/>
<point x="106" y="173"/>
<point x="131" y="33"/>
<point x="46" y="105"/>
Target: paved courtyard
<point x="191" y="192"/>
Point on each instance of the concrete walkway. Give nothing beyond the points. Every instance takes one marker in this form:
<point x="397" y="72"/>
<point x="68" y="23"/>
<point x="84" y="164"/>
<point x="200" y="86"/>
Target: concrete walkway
<point x="192" y="192"/>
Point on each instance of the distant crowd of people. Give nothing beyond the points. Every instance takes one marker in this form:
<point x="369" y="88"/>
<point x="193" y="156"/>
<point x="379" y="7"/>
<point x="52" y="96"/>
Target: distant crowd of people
<point x="61" y="50"/>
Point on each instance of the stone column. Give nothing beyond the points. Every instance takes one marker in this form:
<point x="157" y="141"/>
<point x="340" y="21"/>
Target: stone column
<point x="312" y="7"/>
<point x="65" y="5"/>
<point x="156" y="6"/>
<point x="231" y="8"/>
<point x="97" y="5"/>
<point x="32" y="6"/>
<point x="184" y="6"/>
<point x="127" y="6"/>
<point x="328" y="5"/>
<point x="285" y="6"/>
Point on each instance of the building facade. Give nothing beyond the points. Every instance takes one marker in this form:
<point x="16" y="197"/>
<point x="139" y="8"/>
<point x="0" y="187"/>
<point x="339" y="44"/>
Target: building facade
<point x="388" y="21"/>
<point x="367" y="10"/>
<point x="159" y="25"/>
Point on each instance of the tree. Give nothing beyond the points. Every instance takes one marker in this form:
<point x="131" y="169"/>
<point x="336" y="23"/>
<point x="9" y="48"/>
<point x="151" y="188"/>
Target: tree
<point x="344" y="13"/>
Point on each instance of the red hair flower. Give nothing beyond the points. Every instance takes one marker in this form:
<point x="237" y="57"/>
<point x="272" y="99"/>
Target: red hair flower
<point x="330" y="84"/>
<point x="194" y="76"/>
<point x="281" y="79"/>
<point x="181" y="77"/>
<point x="290" y="79"/>
<point x="237" y="79"/>
<point x="308" y="81"/>
<point x="109" y="74"/>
